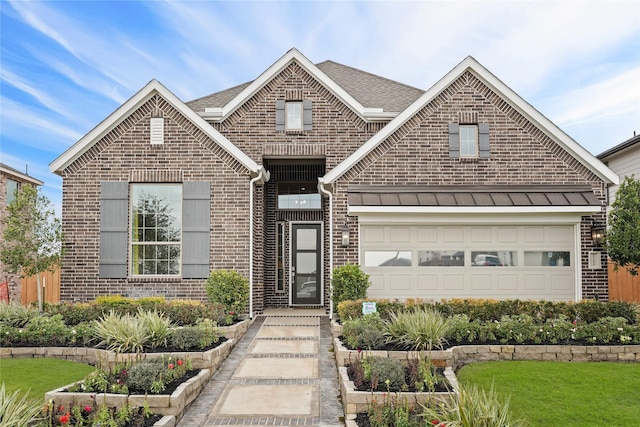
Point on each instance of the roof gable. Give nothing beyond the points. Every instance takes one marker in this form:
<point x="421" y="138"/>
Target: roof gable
<point x="247" y="91"/>
<point x="22" y="176"/>
<point x="502" y="90"/>
<point x="143" y="95"/>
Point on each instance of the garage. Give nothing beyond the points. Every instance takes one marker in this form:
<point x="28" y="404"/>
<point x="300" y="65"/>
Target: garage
<point x="466" y="260"/>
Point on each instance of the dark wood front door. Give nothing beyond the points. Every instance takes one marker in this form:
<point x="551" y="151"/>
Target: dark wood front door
<point x="306" y="264"/>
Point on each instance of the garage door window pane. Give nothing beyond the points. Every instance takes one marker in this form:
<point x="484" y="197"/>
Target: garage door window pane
<point x="441" y="258"/>
<point x="387" y="259"/>
<point x="547" y="259"/>
<point x="494" y="258"/>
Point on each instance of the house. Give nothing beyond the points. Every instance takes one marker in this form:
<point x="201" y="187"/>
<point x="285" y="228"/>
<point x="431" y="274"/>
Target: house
<point x="623" y="159"/>
<point x="10" y="181"/>
<point x="311" y="166"/>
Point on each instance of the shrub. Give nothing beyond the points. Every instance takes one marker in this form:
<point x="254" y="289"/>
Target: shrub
<point x="142" y="375"/>
<point x="384" y="374"/>
<point x="82" y="334"/>
<point x="471" y="407"/>
<point x="76" y="313"/>
<point x="418" y="329"/>
<point x="201" y="336"/>
<point x="230" y="289"/>
<point x="519" y="328"/>
<point x="16" y="409"/>
<point x="157" y="326"/>
<point x="121" y="334"/>
<point x="365" y="332"/>
<point x="349" y="283"/>
<point x="15" y="314"/>
<point x="46" y="331"/>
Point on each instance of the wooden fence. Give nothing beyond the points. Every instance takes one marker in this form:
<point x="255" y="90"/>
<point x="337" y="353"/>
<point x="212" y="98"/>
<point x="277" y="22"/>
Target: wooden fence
<point x="622" y="285"/>
<point x="50" y="288"/>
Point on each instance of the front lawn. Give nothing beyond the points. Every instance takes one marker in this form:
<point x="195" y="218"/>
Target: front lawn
<point x="38" y="376"/>
<point x="563" y="393"/>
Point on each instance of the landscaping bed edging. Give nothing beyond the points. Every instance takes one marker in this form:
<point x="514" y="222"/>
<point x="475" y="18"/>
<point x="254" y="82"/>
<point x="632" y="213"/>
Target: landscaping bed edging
<point x="358" y="401"/>
<point x="160" y="404"/>
<point x="458" y="356"/>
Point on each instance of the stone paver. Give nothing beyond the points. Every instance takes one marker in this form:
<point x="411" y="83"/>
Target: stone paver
<point x="282" y="372"/>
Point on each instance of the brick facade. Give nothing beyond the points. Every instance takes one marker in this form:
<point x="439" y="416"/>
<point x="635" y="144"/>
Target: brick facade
<point x="417" y="153"/>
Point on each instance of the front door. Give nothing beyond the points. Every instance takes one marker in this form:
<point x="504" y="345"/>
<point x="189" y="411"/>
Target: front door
<point x="306" y="264"/>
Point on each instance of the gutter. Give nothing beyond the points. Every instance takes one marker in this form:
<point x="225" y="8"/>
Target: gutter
<point x="324" y="191"/>
<point x="261" y="178"/>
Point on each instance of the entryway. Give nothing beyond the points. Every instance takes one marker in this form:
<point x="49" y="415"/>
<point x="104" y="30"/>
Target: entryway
<point x="306" y="264"/>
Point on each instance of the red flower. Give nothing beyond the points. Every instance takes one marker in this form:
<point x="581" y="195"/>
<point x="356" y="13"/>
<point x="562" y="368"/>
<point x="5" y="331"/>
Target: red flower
<point x="88" y="408"/>
<point x="64" y="419"/>
<point x="170" y="366"/>
<point x="435" y="422"/>
<point x="180" y="362"/>
<point x="443" y="425"/>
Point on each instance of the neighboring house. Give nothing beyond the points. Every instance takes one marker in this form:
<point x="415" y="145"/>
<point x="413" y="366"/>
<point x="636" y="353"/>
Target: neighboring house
<point x="10" y="181"/>
<point x="623" y="159"/>
<point x="312" y="166"/>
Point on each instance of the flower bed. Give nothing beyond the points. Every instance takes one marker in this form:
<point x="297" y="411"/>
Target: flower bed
<point x="358" y="401"/>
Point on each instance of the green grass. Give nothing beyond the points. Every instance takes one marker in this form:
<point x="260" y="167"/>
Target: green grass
<point x="40" y="375"/>
<point x="564" y="393"/>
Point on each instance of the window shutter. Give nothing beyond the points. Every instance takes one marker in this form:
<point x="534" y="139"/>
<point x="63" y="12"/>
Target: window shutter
<point x="196" y="225"/>
<point x="454" y="140"/>
<point x="280" y="115"/>
<point x="483" y="139"/>
<point x="114" y="226"/>
<point x="307" y="119"/>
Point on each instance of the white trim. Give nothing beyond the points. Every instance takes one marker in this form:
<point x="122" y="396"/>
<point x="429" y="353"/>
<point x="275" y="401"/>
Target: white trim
<point x="13" y="173"/>
<point x="522" y="106"/>
<point x="142" y="96"/>
<point x="294" y="55"/>
<point x="577" y="250"/>
<point x="585" y="210"/>
<point x="525" y="218"/>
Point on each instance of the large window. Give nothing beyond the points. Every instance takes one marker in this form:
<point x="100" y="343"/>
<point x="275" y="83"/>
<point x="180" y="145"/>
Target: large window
<point x="156" y="230"/>
<point x="298" y="196"/>
<point x="468" y="141"/>
<point x="12" y="188"/>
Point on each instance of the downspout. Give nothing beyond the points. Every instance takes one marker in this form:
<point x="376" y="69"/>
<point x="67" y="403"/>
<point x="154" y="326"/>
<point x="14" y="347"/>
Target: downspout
<point x="328" y="193"/>
<point x="262" y="177"/>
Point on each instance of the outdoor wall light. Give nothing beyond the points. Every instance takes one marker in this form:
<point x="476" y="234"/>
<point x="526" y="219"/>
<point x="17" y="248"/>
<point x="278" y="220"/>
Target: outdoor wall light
<point x="345" y="235"/>
<point x="597" y="234"/>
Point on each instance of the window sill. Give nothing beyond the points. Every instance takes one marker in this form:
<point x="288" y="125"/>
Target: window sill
<point x="469" y="159"/>
<point x="147" y="279"/>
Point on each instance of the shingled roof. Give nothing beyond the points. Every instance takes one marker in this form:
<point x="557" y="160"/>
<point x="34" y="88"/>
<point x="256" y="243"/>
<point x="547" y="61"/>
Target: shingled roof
<point x="370" y="90"/>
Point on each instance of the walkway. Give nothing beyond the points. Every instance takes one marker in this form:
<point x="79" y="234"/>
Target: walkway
<point x="282" y="372"/>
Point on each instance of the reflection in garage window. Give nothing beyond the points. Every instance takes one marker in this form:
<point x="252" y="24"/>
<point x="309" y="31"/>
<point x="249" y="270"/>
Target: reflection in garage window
<point x="387" y="258"/>
<point x="450" y="258"/>
<point x="547" y="258"/>
<point x="494" y="258"/>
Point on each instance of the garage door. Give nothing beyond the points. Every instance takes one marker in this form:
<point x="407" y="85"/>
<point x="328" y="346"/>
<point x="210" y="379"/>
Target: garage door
<point x="478" y="261"/>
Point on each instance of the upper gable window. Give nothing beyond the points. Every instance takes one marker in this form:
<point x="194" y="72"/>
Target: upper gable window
<point x="293" y="116"/>
<point x="468" y="141"/>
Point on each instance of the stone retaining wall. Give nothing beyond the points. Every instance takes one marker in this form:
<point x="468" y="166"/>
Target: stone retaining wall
<point x="458" y="356"/>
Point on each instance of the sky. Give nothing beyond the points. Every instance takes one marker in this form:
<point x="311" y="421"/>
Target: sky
<point x="66" y="65"/>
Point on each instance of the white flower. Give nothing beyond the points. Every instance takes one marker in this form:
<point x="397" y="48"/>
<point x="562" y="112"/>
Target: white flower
<point x="620" y="329"/>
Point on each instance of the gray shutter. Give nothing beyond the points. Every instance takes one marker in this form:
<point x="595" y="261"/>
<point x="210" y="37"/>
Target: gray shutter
<point x="114" y="226"/>
<point x="483" y="139"/>
<point x="307" y="119"/>
<point x="454" y="140"/>
<point x="196" y="224"/>
<point x="280" y="115"/>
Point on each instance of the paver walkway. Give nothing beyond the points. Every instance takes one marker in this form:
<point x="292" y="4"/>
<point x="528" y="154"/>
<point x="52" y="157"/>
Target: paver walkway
<point x="282" y="372"/>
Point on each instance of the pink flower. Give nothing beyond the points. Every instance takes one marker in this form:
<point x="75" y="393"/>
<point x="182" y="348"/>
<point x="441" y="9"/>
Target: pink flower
<point x="170" y="366"/>
<point x="180" y="362"/>
<point x="88" y="408"/>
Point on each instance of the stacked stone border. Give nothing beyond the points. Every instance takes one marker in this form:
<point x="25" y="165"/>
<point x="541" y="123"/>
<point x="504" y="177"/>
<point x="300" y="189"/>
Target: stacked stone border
<point x="172" y="407"/>
<point x="456" y="357"/>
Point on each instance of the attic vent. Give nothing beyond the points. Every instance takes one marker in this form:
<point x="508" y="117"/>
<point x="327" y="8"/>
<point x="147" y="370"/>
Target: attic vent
<point x="157" y="130"/>
<point x="468" y="117"/>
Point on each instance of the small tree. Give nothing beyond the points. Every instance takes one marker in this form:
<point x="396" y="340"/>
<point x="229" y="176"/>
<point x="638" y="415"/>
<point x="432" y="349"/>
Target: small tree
<point x="229" y="288"/>
<point x="32" y="239"/>
<point x="622" y="240"/>
<point x="349" y="282"/>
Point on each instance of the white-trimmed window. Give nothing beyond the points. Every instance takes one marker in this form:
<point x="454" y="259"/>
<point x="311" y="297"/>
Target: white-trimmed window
<point x="468" y="141"/>
<point x="293" y="115"/>
<point x="156" y="229"/>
